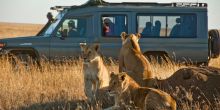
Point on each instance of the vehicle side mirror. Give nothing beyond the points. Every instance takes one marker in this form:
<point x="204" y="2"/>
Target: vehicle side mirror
<point x="64" y="34"/>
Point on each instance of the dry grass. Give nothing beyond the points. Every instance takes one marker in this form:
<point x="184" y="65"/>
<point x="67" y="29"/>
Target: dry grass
<point x="26" y="88"/>
<point x="55" y="86"/>
<point x="166" y="69"/>
<point x="215" y="62"/>
<point x="18" y="29"/>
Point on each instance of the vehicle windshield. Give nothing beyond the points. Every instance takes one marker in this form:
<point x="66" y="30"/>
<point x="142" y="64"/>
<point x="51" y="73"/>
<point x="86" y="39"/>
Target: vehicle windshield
<point x="54" y="24"/>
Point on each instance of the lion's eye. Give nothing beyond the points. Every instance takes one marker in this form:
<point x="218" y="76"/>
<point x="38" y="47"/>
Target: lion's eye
<point x="89" y="52"/>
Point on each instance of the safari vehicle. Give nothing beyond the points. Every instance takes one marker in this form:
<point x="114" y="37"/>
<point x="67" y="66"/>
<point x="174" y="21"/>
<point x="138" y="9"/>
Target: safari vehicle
<point x="177" y="30"/>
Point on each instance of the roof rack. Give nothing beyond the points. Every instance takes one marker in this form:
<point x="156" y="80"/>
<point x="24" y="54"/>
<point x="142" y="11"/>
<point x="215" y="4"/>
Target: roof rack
<point x="94" y="2"/>
<point x="142" y="4"/>
<point x="89" y="3"/>
<point x="174" y="4"/>
<point x="189" y="4"/>
<point x="103" y="3"/>
<point x="61" y="8"/>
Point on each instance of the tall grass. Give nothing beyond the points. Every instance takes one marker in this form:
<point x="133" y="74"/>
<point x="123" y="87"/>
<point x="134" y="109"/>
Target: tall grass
<point x="165" y="68"/>
<point x="39" y="88"/>
<point x="23" y="88"/>
<point x="215" y="62"/>
<point x="55" y="84"/>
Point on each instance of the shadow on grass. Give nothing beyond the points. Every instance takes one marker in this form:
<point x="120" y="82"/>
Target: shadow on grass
<point x="57" y="105"/>
<point x="103" y="101"/>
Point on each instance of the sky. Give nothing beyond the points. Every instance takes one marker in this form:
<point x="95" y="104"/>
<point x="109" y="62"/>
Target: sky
<point x="34" y="11"/>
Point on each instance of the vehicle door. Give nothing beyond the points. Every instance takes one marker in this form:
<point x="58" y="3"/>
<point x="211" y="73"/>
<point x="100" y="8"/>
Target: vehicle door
<point x="72" y="31"/>
<point x="112" y="25"/>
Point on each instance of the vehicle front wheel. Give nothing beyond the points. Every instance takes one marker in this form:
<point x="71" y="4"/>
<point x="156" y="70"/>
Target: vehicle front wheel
<point x="22" y="61"/>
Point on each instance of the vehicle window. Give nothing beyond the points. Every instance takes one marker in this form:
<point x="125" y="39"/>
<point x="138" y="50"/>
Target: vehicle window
<point x="182" y="26"/>
<point x="150" y="26"/>
<point x="72" y="28"/>
<point x="113" y="25"/>
<point x="177" y="26"/>
<point x="52" y="27"/>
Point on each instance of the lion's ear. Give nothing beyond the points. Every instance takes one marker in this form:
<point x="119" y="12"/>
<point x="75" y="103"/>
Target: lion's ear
<point x="138" y="35"/>
<point x="83" y="46"/>
<point x="96" y="47"/>
<point x="123" y="76"/>
<point x="123" y="36"/>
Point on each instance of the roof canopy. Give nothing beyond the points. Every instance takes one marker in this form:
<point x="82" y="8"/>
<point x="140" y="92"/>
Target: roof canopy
<point x="95" y="2"/>
<point x="103" y="3"/>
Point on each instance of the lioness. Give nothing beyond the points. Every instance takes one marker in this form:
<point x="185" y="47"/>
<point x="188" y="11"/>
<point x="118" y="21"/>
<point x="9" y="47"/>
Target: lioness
<point x="132" y="61"/>
<point x="129" y="93"/>
<point x="96" y="75"/>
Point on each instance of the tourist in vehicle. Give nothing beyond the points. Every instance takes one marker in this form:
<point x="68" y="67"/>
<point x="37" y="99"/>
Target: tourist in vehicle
<point x="72" y="29"/>
<point x="147" y="31"/>
<point x="176" y="29"/>
<point x="108" y="27"/>
<point x="49" y="22"/>
<point x="156" y="29"/>
<point x="50" y="17"/>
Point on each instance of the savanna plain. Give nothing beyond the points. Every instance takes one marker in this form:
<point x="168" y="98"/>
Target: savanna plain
<point x="57" y="86"/>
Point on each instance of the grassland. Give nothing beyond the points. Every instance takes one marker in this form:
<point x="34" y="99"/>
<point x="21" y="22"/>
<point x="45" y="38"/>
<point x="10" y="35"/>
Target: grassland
<point x="18" y="29"/>
<point x="55" y="86"/>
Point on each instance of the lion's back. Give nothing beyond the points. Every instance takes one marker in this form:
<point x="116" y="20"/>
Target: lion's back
<point x="157" y="99"/>
<point x="153" y="98"/>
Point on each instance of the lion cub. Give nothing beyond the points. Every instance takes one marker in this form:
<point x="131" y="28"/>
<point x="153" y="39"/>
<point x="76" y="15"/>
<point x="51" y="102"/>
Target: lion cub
<point x="132" y="61"/>
<point x="96" y="75"/>
<point x="128" y="92"/>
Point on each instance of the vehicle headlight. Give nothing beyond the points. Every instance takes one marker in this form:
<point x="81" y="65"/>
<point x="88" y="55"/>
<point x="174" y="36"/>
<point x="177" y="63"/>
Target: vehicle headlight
<point x="2" y="45"/>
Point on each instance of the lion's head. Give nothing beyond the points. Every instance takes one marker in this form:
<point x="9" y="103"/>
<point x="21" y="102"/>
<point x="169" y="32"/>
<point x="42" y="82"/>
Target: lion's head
<point x="118" y="83"/>
<point x="89" y="52"/>
<point x="131" y="40"/>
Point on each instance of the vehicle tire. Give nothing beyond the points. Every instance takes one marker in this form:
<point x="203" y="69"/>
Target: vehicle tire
<point x="23" y="61"/>
<point x="214" y="43"/>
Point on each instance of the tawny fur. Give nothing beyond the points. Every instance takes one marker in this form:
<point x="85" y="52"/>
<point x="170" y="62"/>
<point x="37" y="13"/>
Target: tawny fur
<point x="96" y="75"/>
<point x="128" y="92"/>
<point x="132" y="61"/>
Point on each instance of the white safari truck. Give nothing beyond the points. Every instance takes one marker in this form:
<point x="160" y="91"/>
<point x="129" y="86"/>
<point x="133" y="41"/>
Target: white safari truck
<point x="177" y="30"/>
